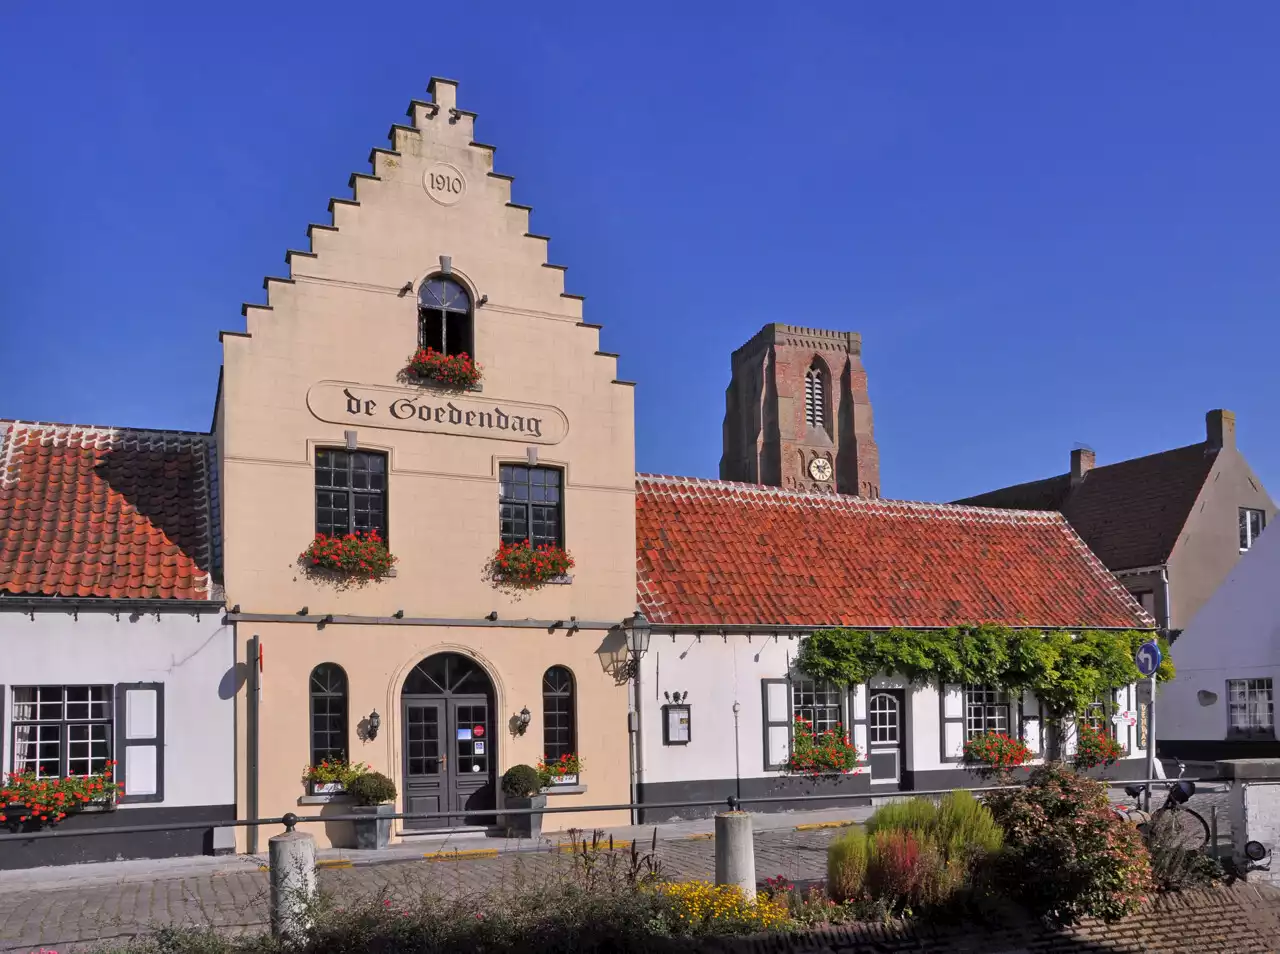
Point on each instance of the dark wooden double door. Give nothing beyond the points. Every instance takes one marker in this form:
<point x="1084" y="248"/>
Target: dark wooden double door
<point x="449" y="755"/>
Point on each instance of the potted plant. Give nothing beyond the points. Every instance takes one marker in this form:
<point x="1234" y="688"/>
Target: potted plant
<point x="359" y="556"/>
<point x="994" y="755"/>
<point x="330" y="776"/>
<point x="527" y="567"/>
<point x="521" y="788"/>
<point x="32" y="802"/>
<point x="373" y="793"/>
<point x="815" y="754"/>
<point x="458" y="371"/>
<point x="561" y="771"/>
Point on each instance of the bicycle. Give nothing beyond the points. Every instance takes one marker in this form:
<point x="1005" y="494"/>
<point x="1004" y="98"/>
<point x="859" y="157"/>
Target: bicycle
<point x="1190" y="830"/>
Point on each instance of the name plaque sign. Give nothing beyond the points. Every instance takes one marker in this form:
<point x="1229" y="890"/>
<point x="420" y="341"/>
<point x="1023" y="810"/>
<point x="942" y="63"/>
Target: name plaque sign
<point x="341" y="402"/>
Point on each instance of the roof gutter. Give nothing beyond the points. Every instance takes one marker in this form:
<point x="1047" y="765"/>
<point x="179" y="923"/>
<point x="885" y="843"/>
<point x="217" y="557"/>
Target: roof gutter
<point x="729" y="629"/>
<point x="60" y="604"/>
<point x="333" y="619"/>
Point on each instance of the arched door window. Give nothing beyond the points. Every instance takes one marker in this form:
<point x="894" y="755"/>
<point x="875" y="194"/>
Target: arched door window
<point x="882" y="719"/>
<point x="559" y="729"/>
<point x="444" y="317"/>
<point x="328" y="713"/>
<point x="815" y="397"/>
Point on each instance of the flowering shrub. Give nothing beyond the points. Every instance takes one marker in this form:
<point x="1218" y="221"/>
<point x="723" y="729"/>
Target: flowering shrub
<point x="450" y="370"/>
<point x="995" y="753"/>
<point x="361" y="555"/>
<point x="819" y="753"/>
<point x="701" y="907"/>
<point x="1094" y="748"/>
<point x="1067" y="854"/>
<point x="52" y="799"/>
<point x="528" y="567"/>
<point x="329" y="771"/>
<point x="557" y="768"/>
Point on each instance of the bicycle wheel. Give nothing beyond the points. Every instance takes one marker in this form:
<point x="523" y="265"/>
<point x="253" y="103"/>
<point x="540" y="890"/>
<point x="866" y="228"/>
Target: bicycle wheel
<point x="1189" y="830"/>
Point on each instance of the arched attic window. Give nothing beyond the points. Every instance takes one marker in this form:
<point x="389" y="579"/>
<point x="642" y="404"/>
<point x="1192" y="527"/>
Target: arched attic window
<point x="445" y="317"/>
<point x="815" y="400"/>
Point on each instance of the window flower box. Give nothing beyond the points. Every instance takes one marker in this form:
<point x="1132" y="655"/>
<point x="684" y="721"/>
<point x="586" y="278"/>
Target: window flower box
<point x="815" y="754"/>
<point x="331" y="776"/>
<point x="30" y="802"/>
<point x="457" y="371"/>
<point x="995" y="755"/>
<point x="526" y="567"/>
<point x="562" y="771"/>
<point x="360" y="556"/>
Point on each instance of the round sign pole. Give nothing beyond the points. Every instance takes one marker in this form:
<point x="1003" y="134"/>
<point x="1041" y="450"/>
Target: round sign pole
<point x="1147" y="659"/>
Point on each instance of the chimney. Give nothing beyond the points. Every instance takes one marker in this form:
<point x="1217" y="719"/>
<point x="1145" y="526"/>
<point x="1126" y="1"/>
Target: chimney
<point x="1220" y="430"/>
<point x="1082" y="460"/>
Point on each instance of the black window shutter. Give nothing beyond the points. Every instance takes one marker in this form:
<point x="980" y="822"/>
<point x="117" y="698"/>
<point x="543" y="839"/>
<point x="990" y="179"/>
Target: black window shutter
<point x="144" y="745"/>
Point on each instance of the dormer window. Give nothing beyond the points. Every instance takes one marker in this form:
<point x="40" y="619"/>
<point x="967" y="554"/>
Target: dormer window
<point x="814" y="398"/>
<point x="444" y="317"/>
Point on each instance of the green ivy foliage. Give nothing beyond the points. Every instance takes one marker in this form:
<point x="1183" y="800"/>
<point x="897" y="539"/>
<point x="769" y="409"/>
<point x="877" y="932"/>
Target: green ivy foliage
<point x="1066" y="671"/>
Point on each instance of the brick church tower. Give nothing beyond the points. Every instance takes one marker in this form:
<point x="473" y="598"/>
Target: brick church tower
<point x="797" y="414"/>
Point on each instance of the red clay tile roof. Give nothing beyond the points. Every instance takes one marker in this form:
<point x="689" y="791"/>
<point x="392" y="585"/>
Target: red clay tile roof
<point x="106" y="512"/>
<point x="1130" y="513"/>
<point x="712" y="552"/>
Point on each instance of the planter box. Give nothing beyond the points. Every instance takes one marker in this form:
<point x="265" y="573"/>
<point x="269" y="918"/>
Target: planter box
<point x="373" y="832"/>
<point x="325" y="788"/>
<point x="563" y="780"/>
<point x="525" y="826"/>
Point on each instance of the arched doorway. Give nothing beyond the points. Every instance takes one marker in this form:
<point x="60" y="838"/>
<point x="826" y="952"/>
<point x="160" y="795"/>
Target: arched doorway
<point x="447" y="704"/>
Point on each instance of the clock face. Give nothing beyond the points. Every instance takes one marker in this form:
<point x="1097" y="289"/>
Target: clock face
<point x="820" y="468"/>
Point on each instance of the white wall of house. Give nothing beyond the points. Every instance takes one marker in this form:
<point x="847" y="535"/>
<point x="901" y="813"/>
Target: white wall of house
<point x="193" y="659"/>
<point x="718" y="671"/>
<point x="1234" y="636"/>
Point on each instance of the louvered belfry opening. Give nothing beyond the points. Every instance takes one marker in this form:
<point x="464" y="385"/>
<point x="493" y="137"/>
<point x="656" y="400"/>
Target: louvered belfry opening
<point x="814" y="403"/>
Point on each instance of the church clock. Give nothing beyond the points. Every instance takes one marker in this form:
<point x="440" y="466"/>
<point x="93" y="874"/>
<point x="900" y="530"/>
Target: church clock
<point x="820" y="469"/>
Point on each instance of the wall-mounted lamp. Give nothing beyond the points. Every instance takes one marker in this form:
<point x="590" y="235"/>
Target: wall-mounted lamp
<point x="375" y="723"/>
<point x="484" y="300"/>
<point x="638" y="632"/>
<point x="398" y="614"/>
<point x="446" y="264"/>
<point x="493" y="616"/>
<point x="523" y="720"/>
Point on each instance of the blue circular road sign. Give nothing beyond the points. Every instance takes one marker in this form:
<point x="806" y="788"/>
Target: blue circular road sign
<point x="1148" y="658"/>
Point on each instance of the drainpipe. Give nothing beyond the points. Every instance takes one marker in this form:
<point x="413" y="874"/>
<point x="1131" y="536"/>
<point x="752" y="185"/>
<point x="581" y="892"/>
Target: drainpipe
<point x="253" y="721"/>
<point x="1168" y="607"/>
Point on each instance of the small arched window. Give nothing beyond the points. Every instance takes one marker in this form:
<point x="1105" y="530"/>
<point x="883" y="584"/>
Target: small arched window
<point x="444" y="317"/>
<point x="814" y="397"/>
<point x="559" y="720"/>
<point x="328" y="713"/>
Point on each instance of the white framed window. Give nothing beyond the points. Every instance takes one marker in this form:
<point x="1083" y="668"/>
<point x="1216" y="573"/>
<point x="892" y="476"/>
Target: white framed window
<point x="60" y="731"/>
<point x="985" y="710"/>
<point x="1250" y="708"/>
<point x="1252" y="523"/>
<point x="817" y="702"/>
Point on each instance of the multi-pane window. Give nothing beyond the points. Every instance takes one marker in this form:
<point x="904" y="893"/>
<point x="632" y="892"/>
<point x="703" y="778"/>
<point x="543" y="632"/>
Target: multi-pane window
<point x="444" y="316"/>
<point x="1146" y="599"/>
<point x="328" y="713"/>
<point x="882" y="718"/>
<point x="557" y="713"/>
<point x="530" y="505"/>
<point x="817" y="703"/>
<point x="351" y="492"/>
<point x="1249" y="707"/>
<point x="1097" y="715"/>
<point x="985" y="710"/>
<point x="62" y="730"/>
<point x="814" y="399"/>
<point x="1252" y="523"/>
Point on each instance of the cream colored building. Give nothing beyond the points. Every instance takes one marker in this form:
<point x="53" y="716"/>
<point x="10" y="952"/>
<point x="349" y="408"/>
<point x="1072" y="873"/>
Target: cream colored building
<point x="319" y="429"/>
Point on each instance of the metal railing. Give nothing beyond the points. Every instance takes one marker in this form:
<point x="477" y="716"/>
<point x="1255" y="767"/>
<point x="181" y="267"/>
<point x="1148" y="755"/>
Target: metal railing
<point x="733" y="803"/>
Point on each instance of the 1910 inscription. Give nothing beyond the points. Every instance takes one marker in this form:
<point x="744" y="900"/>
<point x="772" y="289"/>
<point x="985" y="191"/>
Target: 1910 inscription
<point x="444" y="183"/>
<point x="340" y="402"/>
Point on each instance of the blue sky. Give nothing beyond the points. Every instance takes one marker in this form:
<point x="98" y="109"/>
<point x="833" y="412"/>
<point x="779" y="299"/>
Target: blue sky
<point x="1051" y="223"/>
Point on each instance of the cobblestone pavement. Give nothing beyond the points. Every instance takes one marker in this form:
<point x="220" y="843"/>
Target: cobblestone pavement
<point x="61" y="918"/>
<point x="64" y="917"/>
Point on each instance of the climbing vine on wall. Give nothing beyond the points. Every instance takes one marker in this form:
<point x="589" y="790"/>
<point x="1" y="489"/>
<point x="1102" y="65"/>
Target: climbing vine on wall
<point x="1066" y="671"/>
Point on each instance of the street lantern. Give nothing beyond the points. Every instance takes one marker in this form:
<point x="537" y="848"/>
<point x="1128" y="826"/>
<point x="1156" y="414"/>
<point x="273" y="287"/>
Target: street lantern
<point x="638" y="633"/>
